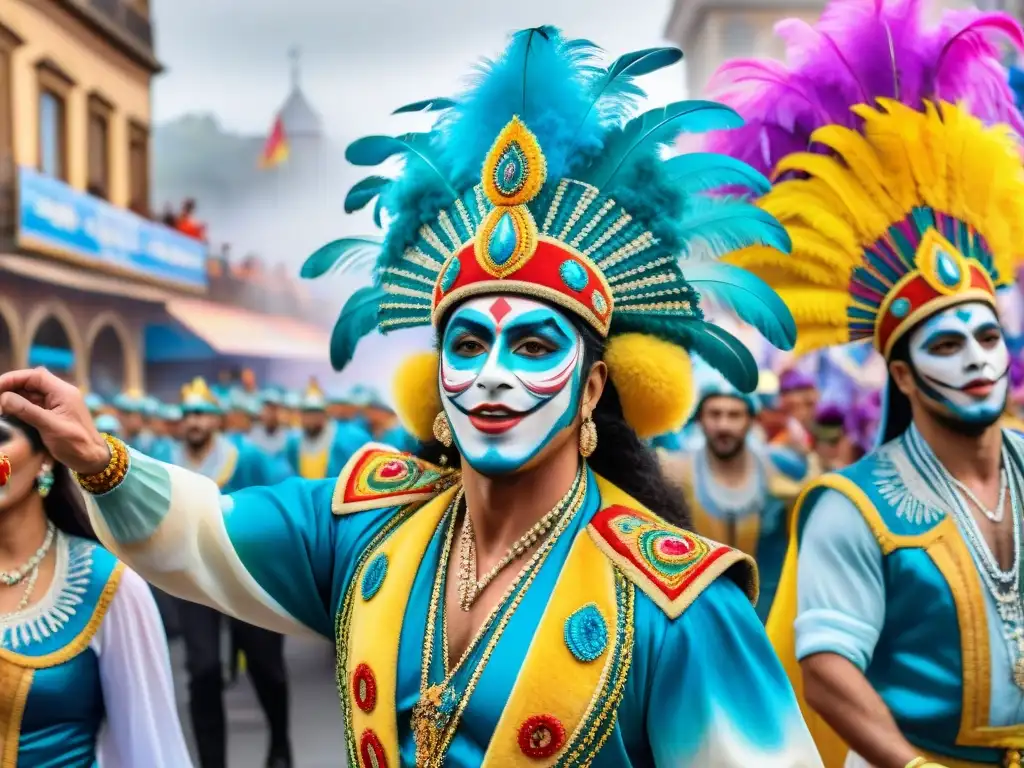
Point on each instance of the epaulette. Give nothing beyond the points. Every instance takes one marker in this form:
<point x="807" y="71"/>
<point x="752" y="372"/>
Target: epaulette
<point x="671" y="566"/>
<point x="378" y="476"/>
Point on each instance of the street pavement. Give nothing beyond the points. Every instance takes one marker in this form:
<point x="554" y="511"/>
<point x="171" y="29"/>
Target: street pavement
<point x="317" y="733"/>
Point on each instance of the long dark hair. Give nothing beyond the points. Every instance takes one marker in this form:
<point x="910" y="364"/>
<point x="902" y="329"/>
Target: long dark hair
<point x="621" y="457"/>
<point x="63" y="505"/>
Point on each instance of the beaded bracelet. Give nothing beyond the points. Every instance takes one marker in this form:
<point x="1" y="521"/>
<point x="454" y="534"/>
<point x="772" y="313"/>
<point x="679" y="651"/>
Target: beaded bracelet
<point x="112" y="475"/>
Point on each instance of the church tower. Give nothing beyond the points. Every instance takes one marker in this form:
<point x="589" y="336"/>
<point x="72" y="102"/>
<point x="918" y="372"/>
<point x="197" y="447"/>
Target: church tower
<point x="303" y="125"/>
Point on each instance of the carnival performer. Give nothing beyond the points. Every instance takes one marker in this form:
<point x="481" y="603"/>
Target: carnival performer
<point x="82" y="649"/>
<point x="232" y="466"/>
<point x="737" y="490"/>
<point x="130" y="406"/>
<point x="321" y="446"/>
<point x="522" y="601"/>
<point x="901" y="595"/>
<point x="270" y="434"/>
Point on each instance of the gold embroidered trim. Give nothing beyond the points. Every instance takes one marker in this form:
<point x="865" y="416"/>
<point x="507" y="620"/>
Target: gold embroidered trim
<point x="15" y="684"/>
<point x="81" y="641"/>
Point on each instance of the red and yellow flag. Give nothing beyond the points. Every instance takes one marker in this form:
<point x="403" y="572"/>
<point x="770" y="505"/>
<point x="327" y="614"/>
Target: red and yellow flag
<point x="275" y="151"/>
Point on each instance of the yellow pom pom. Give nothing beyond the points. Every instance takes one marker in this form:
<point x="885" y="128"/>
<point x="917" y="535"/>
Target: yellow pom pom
<point x="415" y="394"/>
<point x="654" y="379"/>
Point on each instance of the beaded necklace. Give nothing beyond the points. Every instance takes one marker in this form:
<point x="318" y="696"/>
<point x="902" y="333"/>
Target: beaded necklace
<point x="436" y="716"/>
<point x="1003" y="585"/>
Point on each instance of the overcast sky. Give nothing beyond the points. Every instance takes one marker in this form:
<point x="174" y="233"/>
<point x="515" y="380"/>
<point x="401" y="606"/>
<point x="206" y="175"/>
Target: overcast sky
<point x="361" y="58"/>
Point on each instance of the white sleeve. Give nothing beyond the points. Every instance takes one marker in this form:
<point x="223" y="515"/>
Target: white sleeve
<point x="142" y="726"/>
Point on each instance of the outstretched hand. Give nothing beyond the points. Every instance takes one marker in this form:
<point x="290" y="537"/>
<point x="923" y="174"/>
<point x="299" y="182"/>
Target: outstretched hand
<point x="58" y="411"/>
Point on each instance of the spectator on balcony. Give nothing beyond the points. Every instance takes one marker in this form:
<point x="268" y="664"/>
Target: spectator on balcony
<point x="187" y="223"/>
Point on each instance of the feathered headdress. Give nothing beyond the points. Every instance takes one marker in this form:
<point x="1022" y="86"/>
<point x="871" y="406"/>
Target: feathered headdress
<point x="539" y="181"/>
<point x="898" y="202"/>
<point x="313" y="399"/>
<point x="196" y="397"/>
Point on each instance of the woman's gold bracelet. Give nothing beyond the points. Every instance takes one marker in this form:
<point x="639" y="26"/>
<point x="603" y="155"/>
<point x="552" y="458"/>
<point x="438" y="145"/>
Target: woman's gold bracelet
<point x="112" y="474"/>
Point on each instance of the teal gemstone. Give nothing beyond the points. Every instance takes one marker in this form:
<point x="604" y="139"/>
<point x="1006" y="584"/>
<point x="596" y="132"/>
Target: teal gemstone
<point x="600" y="305"/>
<point x="373" y="576"/>
<point x="586" y="634"/>
<point x="451" y="274"/>
<point x="510" y="172"/>
<point x="502" y="243"/>
<point x="900" y="307"/>
<point x="948" y="270"/>
<point x="573" y="274"/>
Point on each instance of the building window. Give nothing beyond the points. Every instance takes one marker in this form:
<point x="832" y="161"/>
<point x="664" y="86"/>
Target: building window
<point x="54" y="87"/>
<point x="8" y="42"/>
<point x="100" y="111"/>
<point x="739" y="38"/>
<point x="138" y="168"/>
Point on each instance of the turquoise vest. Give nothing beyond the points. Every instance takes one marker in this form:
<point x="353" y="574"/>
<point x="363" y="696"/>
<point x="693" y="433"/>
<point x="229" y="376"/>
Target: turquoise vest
<point x="932" y="662"/>
<point x="51" y="697"/>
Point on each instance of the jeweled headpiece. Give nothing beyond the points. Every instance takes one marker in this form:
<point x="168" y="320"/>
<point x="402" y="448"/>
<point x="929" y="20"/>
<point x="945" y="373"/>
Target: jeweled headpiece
<point x="538" y="182"/>
<point x="314" y="399"/>
<point x="196" y="397"/>
<point x="899" y="203"/>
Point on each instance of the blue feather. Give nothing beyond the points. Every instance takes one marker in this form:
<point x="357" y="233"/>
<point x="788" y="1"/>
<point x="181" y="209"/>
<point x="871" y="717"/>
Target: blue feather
<point x="746" y="295"/>
<point x="364" y="191"/>
<point x="642" y="135"/>
<point x="358" y="317"/>
<point x="722" y="225"/>
<point x="374" y="150"/>
<point x="705" y="171"/>
<point x="341" y="254"/>
<point x="377" y="211"/>
<point x="726" y="354"/>
<point x="426" y="105"/>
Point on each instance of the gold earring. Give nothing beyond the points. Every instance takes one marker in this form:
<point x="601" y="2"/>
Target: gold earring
<point x="588" y="437"/>
<point x="442" y="430"/>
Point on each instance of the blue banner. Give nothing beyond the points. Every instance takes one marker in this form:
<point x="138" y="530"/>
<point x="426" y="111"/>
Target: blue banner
<point x="54" y="216"/>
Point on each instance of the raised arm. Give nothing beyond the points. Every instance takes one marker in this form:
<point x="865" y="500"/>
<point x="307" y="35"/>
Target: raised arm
<point x="719" y="694"/>
<point x="265" y="555"/>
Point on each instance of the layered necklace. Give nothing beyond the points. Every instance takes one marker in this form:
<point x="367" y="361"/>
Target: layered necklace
<point x="436" y="715"/>
<point x="1003" y="585"/>
<point x="29" y="571"/>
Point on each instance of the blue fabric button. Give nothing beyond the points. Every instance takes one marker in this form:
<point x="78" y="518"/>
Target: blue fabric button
<point x="373" y="576"/>
<point x="900" y="307"/>
<point x="586" y="634"/>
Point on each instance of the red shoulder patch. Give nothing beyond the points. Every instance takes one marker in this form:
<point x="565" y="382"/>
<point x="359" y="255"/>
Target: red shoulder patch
<point x="670" y="565"/>
<point x="377" y="476"/>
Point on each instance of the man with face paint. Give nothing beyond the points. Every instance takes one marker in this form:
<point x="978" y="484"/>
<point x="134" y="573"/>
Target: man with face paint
<point x="737" y="489"/>
<point x="899" y="611"/>
<point x="515" y="595"/>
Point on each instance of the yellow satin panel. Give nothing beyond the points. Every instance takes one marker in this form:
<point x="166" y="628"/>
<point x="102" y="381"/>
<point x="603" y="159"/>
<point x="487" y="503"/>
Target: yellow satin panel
<point x="313" y="466"/>
<point x="552" y="681"/>
<point x="376" y="624"/>
<point x="780" y="631"/>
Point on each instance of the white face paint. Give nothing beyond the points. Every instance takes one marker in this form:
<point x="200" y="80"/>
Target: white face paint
<point x="510" y="379"/>
<point x="961" y="362"/>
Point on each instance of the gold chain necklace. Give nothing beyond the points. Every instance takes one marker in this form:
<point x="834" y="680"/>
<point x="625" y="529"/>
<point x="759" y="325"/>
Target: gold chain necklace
<point x="470" y="586"/>
<point x="436" y="715"/>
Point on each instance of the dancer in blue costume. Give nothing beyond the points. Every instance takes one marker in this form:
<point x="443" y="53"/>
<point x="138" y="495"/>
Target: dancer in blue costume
<point x="523" y="600"/>
<point x="901" y="595"/>
<point x="83" y="656"/>
<point x="270" y="433"/>
<point x="737" y="489"/>
<point x="131" y="412"/>
<point x="321" y="446"/>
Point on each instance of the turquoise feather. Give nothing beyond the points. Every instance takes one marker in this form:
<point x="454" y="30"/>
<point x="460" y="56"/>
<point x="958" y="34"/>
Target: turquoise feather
<point x="725" y="353"/>
<point x="374" y="150"/>
<point x="615" y="92"/>
<point x="340" y="254"/>
<point x="358" y="317"/>
<point x="363" y="192"/>
<point x="377" y="209"/>
<point x="746" y="295"/>
<point x="706" y="171"/>
<point x="426" y="105"/>
<point x="642" y="135"/>
<point x="720" y="226"/>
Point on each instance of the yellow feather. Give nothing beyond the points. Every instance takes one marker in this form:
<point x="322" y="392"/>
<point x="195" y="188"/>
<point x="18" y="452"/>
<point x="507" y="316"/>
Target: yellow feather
<point x="940" y="157"/>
